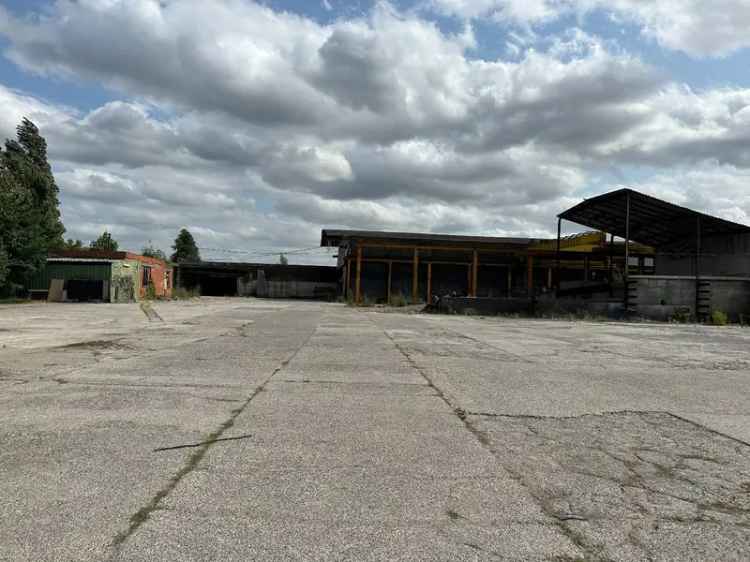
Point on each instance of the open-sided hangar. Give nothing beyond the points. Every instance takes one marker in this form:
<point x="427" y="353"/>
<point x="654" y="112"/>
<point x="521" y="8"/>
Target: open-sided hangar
<point x="646" y="256"/>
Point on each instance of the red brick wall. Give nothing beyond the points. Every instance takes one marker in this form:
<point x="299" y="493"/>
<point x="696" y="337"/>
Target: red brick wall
<point x="161" y="275"/>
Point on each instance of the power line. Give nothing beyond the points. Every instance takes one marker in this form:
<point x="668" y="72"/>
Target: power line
<point x="293" y="251"/>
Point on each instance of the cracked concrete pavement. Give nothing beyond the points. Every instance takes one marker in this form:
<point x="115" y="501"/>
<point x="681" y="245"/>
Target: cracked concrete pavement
<point x="239" y="429"/>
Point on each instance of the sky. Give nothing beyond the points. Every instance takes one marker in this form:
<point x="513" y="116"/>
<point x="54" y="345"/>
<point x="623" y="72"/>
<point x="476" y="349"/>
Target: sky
<point x="256" y="124"/>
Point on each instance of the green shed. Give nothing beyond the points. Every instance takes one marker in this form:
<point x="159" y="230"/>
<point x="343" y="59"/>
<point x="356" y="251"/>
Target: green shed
<point x="83" y="279"/>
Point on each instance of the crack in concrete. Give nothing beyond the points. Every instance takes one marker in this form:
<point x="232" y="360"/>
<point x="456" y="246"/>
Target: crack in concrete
<point x="576" y="538"/>
<point x="352" y="383"/>
<point x="143" y="514"/>
<point x="608" y="413"/>
<point x="61" y="380"/>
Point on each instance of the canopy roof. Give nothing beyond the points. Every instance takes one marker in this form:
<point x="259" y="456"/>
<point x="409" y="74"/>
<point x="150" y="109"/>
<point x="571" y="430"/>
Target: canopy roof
<point x="331" y="237"/>
<point x="653" y="222"/>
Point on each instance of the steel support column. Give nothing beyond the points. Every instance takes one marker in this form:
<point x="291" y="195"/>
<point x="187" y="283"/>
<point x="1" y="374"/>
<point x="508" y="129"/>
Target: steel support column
<point x="627" y="237"/>
<point x="474" y="272"/>
<point x="358" y="281"/>
<point x="698" y="243"/>
<point x="510" y="280"/>
<point x="429" y="283"/>
<point x="415" y="277"/>
<point x="557" y="256"/>
<point x="348" y="280"/>
<point x="390" y="278"/>
<point x="627" y="252"/>
<point x="530" y="276"/>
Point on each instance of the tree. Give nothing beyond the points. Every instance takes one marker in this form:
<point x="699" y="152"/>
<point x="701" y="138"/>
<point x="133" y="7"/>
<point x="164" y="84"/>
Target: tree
<point x="151" y="252"/>
<point x="4" y="266"/>
<point x="71" y="244"/>
<point x="283" y="259"/>
<point x="26" y="160"/>
<point x="105" y="242"/>
<point x="185" y="248"/>
<point x="29" y="207"/>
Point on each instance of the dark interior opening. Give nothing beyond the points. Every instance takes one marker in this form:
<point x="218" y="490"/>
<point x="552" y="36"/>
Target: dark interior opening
<point x="214" y="286"/>
<point x="85" y="290"/>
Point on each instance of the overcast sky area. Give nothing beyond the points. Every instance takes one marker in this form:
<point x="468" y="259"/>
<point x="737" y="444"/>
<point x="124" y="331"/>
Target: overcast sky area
<point x="256" y="124"/>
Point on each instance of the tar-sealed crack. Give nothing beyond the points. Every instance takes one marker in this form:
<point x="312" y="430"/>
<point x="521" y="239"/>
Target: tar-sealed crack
<point x="202" y="443"/>
<point x="143" y="514"/>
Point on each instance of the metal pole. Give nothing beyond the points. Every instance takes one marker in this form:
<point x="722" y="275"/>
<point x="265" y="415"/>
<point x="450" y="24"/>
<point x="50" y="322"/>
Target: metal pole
<point x="530" y="276"/>
<point x="429" y="283"/>
<point x="627" y="235"/>
<point x="557" y="256"/>
<point x="358" y="281"/>
<point x="698" y="249"/>
<point x="627" y="250"/>
<point x="415" y="277"/>
<point x="698" y="268"/>
<point x="474" y="272"/>
<point x="609" y="264"/>
<point x="390" y="278"/>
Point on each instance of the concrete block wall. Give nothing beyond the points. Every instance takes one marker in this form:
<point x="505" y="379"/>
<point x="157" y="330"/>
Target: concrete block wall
<point x="732" y="297"/>
<point x="246" y="286"/>
<point x="661" y="297"/>
<point x="300" y="289"/>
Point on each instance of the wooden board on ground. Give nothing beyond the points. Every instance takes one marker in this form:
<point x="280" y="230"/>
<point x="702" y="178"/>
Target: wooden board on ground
<point x="55" y="293"/>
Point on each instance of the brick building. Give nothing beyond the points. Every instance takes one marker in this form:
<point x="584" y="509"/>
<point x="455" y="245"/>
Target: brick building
<point x="99" y="275"/>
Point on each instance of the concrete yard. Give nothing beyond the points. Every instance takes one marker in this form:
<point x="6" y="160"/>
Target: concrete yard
<point x="243" y="429"/>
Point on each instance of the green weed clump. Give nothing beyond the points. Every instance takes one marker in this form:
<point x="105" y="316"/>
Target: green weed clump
<point x="682" y="315"/>
<point x="719" y="318"/>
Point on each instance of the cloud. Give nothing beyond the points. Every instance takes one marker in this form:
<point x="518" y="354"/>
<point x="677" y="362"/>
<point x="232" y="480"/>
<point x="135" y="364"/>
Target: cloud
<point x="691" y="26"/>
<point x="256" y="128"/>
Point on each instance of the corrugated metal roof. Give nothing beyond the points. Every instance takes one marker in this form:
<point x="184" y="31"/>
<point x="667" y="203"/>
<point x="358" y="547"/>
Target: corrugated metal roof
<point x="331" y="237"/>
<point x="653" y="222"/>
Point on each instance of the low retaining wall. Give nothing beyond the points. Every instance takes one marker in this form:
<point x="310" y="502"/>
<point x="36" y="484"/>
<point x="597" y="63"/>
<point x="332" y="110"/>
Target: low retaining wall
<point x="484" y="306"/>
<point x="299" y="290"/>
<point x="655" y="297"/>
<point x="662" y="297"/>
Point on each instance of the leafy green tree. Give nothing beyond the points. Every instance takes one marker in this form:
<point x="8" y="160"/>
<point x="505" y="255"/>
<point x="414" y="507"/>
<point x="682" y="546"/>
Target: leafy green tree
<point x="29" y="216"/>
<point x="283" y="259"/>
<point x="151" y="252"/>
<point x="71" y="244"/>
<point x="4" y="266"/>
<point x="185" y="248"/>
<point x="105" y="242"/>
<point x="26" y="161"/>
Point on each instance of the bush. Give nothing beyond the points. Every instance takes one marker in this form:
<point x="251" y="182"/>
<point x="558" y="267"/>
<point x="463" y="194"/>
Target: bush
<point x="719" y="318"/>
<point x="682" y="315"/>
<point x="398" y="300"/>
<point x="183" y="294"/>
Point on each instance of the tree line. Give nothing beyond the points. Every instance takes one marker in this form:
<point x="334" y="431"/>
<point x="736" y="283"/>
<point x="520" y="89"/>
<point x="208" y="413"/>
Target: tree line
<point x="30" y="223"/>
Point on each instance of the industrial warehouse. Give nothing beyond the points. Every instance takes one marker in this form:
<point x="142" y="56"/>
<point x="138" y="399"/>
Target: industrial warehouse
<point x="646" y="257"/>
<point x="643" y="257"/>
